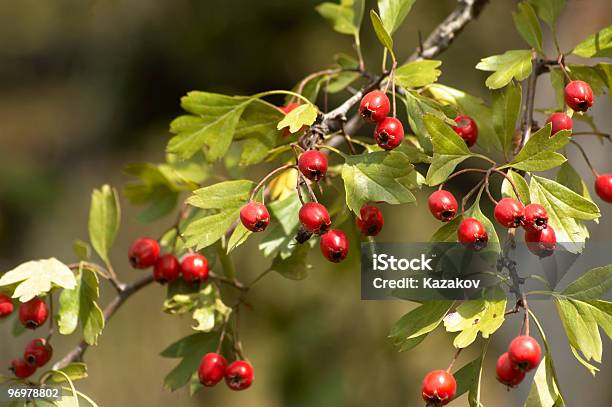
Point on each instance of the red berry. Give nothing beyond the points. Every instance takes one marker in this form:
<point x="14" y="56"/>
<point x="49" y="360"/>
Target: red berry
<point x="195" y="268"/>
<point x="560" y="121"/>
<point x="239" y="375"/>
<point x="443" y="205"/>
<point x="22" y="369"/>
<point x="143" y="253"/>
<point x="389" y="133"/>
<point x="438" y="388"/>
<point x="467" y="129"/>
<point x="579" y="96"/>
<point x="473" y="234"/>
<point x="313" y="164"/>
<point x="212" y="369"/>
<point x="33" y="313"/>
<point x="315" y="218"/>
<point x="374" y="106"/>
<point x="603" y="187"/>
<point x="167" y="269"/>
<point x="6" y="305"/>
<point x="536" y="218"/>
<point x="38" y="352"/>
<point x="254" y="216"/>
<point x="542" y="243"/>
<point x="525" y="352"/>
<point x="507" y="372"/>
<point x="370" y="221"/>
<point x="509" y="212"/>
<point x="334" y="245"/>
<point x="287" y="109"/>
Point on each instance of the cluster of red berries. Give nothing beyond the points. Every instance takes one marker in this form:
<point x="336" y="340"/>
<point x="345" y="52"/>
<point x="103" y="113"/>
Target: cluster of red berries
<point x="579" y="97"/>
<point x="509" y="212"/>
<point x="37" y="353"/>
<point x="375" y="107"/>
<point x="314" y="217"/>
<point x="32" y="314"/>
<point x="213" y="367"/>
<point x="523" y="355"/>
<point x="145" y="252"/>
<point x="389" y="132"/>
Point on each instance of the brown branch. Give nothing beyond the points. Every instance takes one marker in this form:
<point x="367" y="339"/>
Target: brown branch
<point x="445" y="33"/>
<point x="76" y="354"/>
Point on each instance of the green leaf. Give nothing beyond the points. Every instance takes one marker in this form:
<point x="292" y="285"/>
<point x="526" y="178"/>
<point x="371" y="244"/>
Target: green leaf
<point x="345" y="17"/>
<point x="598" y="45"/>
<point x="592" y="75"/>
<point x="549" y="10"/>
<point x="449" y="150"/>
<point x="471" y="317"/>
<point x="212" y="125"/>
<point x="379" y="176"/>
<point x="593" y="284"/>
<point x="104" y="219"/>
<point x="417" y="107"/>
<point x="568" y="176"/>
<point x="257" y="127"/>
<point x="303" y="115"/>
<point x="447" y="232"/>
<point x="511" y="64"/>
<point x="580" y="321"/>
<point x="81" y="249"/>
<point x="280" y="240"/>
<point x="75" y="371"/>
<point x="469" y="379"/>
<point x="38" y="277"/>
<point x="418" y="323"/>
<point x="190" y="350"/>
<point x="545" y="390"/>
<point x="294" y="267"/>
<point x="476" y="212"/>
<point x="521" y="186"/>
<point x="505" y="113"/>
<point x="80" y="305"/>
<point x="564" y="207"/>
<point x="393" y="13"/>
<point x="528" y="26"/>
<point x="539" y="154"/>
<point x="225" y="199"/>
<point x="471" y="106"/>
<point x="238" y="237"/>
<point x="381" y="33"/>
<point x="418" y="73"/>
<point x="444" y="139"/>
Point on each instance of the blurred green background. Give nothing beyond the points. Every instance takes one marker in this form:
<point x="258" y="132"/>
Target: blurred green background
<point x="87" y="87"/>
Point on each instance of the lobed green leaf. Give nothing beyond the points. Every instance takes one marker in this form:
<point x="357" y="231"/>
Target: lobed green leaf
<point x="511" y="64"/>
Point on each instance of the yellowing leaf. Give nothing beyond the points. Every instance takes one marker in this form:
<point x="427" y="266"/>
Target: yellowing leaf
<point x="303" y="115"/>
<point x="38" y="277"/>
<point x="283" y="185"/>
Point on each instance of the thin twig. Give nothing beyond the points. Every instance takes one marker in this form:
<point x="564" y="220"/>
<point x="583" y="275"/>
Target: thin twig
<point x="76" y="354"/>
<point x="445" y="33"/>
<point x="586" y="158"/>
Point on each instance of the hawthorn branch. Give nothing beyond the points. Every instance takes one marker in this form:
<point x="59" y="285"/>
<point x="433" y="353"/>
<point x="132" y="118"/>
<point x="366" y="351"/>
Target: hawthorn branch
<point x="76" y="354"/>
<point x="445" y="33"/>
